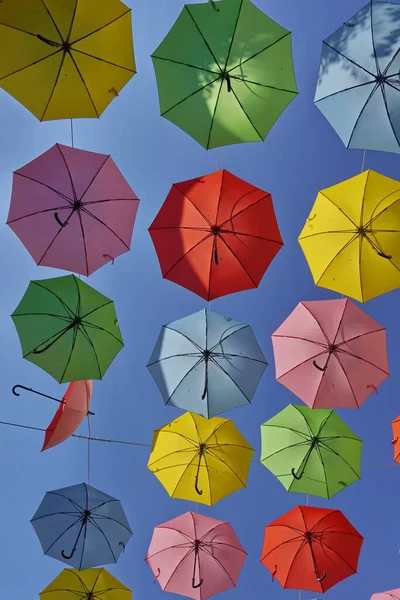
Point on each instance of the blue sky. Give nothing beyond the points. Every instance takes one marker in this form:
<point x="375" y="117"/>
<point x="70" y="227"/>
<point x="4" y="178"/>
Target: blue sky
<point x="300" y="156"/>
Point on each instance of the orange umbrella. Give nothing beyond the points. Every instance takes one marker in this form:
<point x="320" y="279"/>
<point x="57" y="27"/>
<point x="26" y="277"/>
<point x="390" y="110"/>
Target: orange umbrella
<point x="74" y="407"/>
<point x="311" y="548"/>
<point x="216" y="235"/>
<point x="396" y="439"/>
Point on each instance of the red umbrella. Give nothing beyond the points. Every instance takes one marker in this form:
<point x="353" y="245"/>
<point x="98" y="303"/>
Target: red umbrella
<point x="72" y="209"/>
<point x="216" y="235"/>
<point x="330" y="353"/>
<point x="311" y="548"/>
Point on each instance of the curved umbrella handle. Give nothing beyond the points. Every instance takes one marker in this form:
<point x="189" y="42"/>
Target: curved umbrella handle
<point x="380" y="253"/>
<point x="19" y="386"/>
<point x="196" y="487"/>
<point x="57" y="218"/>
<point x="158" y="574"/>
<point x="215" y="7"/>
<point x="110" y="257"/>
<point x="197" y="585"/>
<point x="298" y="477"/>
<point x="374" y="388"/>
<point x="314" y="362"/>
<point x="68" y="556"/>
<point x="320" y="578"/>
<point x="394" y="441"/>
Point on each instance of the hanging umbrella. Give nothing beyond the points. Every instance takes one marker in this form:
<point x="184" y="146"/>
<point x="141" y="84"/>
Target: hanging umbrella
<point x="396" y="439"/>
<point x="389" y="595"/>
<point x="216" y="235"/>
<point x="225" y="75"/>
<point x="351" y="239"/>
<point x="74" y="407"/>
<point x="90" y="584"/>
<point x="81" y="526"/>
<point x="311" y="548"/>
<point x="65" y="60"/>
<point x="199" y="459"/>
<point x="330" y="353"/>
<point x="67" y="328"/>
<point x="311" y="451"/>
<point x="72" y="209"/>
<point x="207" y="363"/>
<point x="358" y="84"/>
<point x="195" y="556"/>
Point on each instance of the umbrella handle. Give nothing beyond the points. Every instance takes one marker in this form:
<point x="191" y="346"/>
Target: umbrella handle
<point x="320" y="578"/>
<point x="196" y="487"/>
<point x="298" y="477"/>
<point x="68" y="556"/>
<point x="215" y="7"/>
<point x="49" y="42"/>
<point x="57" y="218"/>
<point x="196" y="585"/>
<point x="109" y="256"/>
<point x="380" y="253"/>
<point x="374" y="388"/>
<point x="314" y="362"/>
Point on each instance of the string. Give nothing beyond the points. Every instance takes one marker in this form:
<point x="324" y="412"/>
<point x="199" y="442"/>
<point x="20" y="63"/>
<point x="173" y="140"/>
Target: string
<point x="88" y="450"/>
<point x="218" y="159"/>
<point x="82" y="437"/>
<point x="363" y="161"/>
<point x="72" y="134"/>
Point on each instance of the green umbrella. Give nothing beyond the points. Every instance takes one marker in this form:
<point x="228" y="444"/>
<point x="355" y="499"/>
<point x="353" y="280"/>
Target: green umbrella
<point x="311" y="451"/>
<point x="225" y="72"/>
<point x="67" y="328"/>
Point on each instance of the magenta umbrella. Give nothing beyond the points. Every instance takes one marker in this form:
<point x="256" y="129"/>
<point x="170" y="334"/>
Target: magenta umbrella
<point x="330" y="353"/>
<point x="72" y="209"/>
<point x="195" y="556"/>
<point x="389" y="595"/>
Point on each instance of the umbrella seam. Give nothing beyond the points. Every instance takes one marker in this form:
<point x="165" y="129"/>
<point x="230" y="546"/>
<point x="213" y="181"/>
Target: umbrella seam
<point x="102" y="59"/>
<point x="84" y="85"/>
<point x="202" y="36"/>
<point x="55" y="83"/>
<point x="102" y="27"/>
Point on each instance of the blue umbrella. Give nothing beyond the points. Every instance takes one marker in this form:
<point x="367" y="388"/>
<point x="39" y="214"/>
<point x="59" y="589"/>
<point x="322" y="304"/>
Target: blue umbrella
<point x="207" y="363"/>
<point x="81" y="526"/>
<point x="358" y="87"/>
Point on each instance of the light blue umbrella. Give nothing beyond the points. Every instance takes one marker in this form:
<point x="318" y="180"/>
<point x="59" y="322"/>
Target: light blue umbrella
<point x="207" y="363"/>
<point x="81" y="526"/>
<point x="358" y="87"/>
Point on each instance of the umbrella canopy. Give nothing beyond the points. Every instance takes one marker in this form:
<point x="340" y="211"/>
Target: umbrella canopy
<point x="207" y="363"/>
<point x="81" y="526"/>
<point x="311" y="451"/>
<point x="396" y="439"/>
<point x="65" y="60"/>
<point x="72" y="410"/>
<point x="358" y="84"/>
<point x="225" y="72"/>
<point x="389" y="595"/>
<point x="200" y="460"/>
<point x="216" y="235"/>
<point x="72" y="209"/>
<point x="311" y="548"/>
<point x="90" y="584"/>
<point x="67" y="328"/>
<point x="330" y="353"/>
<point x="351" y="239"/>
<point x="195" y="556"/>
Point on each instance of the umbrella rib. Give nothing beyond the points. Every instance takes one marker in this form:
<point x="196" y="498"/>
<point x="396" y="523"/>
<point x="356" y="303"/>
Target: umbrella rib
<point x="175" y="185"/>
<point x="107" y="518"/>
<point x="227" y="374"/>
<point x="96" y="218"/>
<point x="348" y="381"/>
<point x="242" y="62"/>
<point x="213" y="118"/>
<point x="74" y="336"/>
<point x="102" y="27"/>
<point x="95" y="581"/>
<point x="187" y="355"/>
<point x="86" y="335"/>
<point x="350" y="60"/>
<point x="301" y="339"/>
<point x="97" y="526"/>
<point x="318" y="323"/>
<point x="46" y="185"/>
<point x="96" y="309"/>
<point x="324" y="446"/>
<point x="57" y="336"/>
<point x="240" y="263"/>
<point x="55" y="237"/>
<point x="383" y="92"/>
<point x="102" y="60"/>
<point x="360" y="113"/>
<point x="218" y="562"/>
<point x="185" y="64"/>
<point x="64" y="512"/>
<point x="42" y="212"/>
<point x="190" y="95"/>
<point x="263" y="85"/>
<point x="361" y="358"/>
<point x="84" y="587"/>
<point x="242" y="210"/>
<point x="72" y="21"/>
<point x="216" y="457"/>
<point x="78" y="507"/>
<point x="202" y="36"/>
<point x="230" y="355"/>
<point x="94" y="178"/>
<point x="373" y="43"/>
<point x="84" y="241"/>
<point x="247" y="116"/>
<point x="185" y="254"/>
<point x="347" y="244"/>
<point x="222" y="339"/>
<point x="30" y="64"/>
<point x="55" y="85"/>
<point x="61" y="534"/>
<point x="183" y="378"/>
<point x="68" y="171"/>
<point x="84" y="84"/>
<point x="52" y="20"/>
<point x="322" y="543"/>
<point x="353" y="87"/>
<point x="185" y="336"/>
<point x="177" y="567"/>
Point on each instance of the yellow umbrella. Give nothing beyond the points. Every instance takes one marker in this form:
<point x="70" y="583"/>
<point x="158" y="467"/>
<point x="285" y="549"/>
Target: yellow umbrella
<point x="90" y="584"/>
<point x="65" y="59"/>
<point x="351" y="239"/>
<point x="200" y="459"/>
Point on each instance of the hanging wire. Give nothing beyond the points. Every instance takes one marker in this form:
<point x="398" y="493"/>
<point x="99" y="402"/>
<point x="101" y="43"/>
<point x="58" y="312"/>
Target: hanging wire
<point x="363" y="161"/>
<point x="72" y="134"/>
<point x="88" y="449"/>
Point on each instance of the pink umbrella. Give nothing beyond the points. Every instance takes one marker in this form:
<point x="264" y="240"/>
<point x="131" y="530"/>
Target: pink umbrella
<point x="72" y="209"/>
<point x="330" y="353"/>
<point x="195" y="556"/>
<point x="72" y="410"/>
<point x="389" y="595"/>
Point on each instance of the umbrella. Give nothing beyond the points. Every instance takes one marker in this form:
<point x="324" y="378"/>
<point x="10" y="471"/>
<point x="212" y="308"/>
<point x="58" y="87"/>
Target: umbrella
<point x="396" y="439"/>
<point x="358" y="83"/>
<point x="311" y="451"/>
<point x="65" y="60"/>
<point x="90" y="584"/>
<point x="74" y="407"/>
<point x="67" y="328"/>
<point x="195" y="556"/>
<point x="330" y="353"/>
<point x="199" y="459"/>
<point x="207" y="363"/>
<point x="81" y="526"/>
<point x="225" y="75"/>
<point x="216" y="235"/>
<point x="351" y="238"/>
<point x="311" y="548"/>
<point x="72" y="209"/>
<point x="389" y="595"/>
